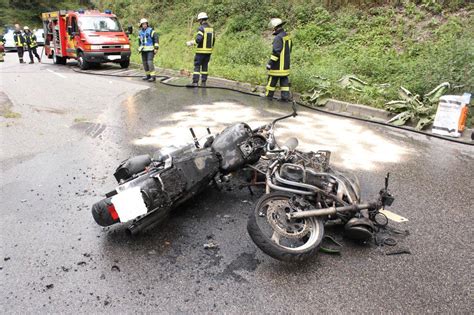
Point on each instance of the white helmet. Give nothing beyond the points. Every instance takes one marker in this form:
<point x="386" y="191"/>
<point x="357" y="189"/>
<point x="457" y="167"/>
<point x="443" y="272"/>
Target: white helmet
<point x="202" y="16"/>
<point x="26" y="28"/>
<point x="275" y="22"/>
<point x="143" y="21"/>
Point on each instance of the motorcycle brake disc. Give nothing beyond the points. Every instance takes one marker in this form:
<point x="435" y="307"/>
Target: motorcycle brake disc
<point x="276" y="217"/>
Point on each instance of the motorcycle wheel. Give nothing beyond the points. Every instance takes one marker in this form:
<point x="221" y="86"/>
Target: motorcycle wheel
<point x="279" y="238"/>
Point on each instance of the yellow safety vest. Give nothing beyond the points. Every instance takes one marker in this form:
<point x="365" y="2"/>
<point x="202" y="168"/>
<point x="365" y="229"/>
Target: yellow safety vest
<point x="281" y="66"/>
<point x="207" y="43"/>
<point x="32" y="38"/>
<point x="18" y="41"/>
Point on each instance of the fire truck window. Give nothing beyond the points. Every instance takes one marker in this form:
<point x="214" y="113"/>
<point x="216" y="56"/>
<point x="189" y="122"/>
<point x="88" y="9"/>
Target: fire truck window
<point x="74" y="24"/>
<point x="99" y="24"/>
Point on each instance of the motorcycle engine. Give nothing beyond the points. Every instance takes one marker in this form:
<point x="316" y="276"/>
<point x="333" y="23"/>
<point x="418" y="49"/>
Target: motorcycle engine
<point x="237" y="146"/>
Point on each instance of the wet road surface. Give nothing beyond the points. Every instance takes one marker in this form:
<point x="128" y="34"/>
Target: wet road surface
<point x="57" y="159"/>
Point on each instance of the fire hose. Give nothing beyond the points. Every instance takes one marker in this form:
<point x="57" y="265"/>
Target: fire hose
<point x="163" y="79"/>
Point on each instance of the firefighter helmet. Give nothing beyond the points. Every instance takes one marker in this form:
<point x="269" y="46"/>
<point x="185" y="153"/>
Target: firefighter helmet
<point x="202" y="16"/>
<point x="275" y="22"/>
<point x="26" y="28"/>
<point x="143" y="21"/>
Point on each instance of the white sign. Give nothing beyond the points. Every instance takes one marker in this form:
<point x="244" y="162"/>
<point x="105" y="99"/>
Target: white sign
<point x="451" y="115"/>
<point x="129" y="204"/>
<point x="114" y="57"/>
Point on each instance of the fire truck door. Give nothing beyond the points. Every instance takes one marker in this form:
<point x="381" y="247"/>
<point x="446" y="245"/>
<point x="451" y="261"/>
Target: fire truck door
<point x="72" y="36"/>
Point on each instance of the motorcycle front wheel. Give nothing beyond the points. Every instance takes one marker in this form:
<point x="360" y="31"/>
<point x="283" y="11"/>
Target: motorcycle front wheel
<point x="280" y="238"/>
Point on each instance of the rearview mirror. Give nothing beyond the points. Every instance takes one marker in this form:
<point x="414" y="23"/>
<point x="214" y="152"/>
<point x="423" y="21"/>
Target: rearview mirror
<point x="69" y="30"/>
<point x="129" y="30"/>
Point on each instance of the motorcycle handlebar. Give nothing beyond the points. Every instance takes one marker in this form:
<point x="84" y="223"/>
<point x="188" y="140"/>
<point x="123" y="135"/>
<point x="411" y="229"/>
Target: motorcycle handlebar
<point x="272" y="124"/>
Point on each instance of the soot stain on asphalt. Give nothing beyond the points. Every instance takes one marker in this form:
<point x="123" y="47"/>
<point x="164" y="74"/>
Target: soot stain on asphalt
<point x="244" y="262"/>
<point x="90" y="129"/>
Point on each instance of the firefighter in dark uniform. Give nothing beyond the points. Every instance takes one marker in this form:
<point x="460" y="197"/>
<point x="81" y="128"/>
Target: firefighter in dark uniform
<point x="279" y="64"/>
<point x="2" y="48"/>
<point x="20" y="42"/>
<point x="148" y="43"/>
<point x="31" y="44"/>
<point x="204" y="42"/>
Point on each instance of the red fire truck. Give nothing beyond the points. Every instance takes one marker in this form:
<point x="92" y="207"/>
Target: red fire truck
<point x="88" y="36"/>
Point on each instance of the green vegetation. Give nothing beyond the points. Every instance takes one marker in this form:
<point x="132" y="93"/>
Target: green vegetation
<point x="417" y="44"/>
<point x="412" y="43"/>
<point x="28" y="12"/>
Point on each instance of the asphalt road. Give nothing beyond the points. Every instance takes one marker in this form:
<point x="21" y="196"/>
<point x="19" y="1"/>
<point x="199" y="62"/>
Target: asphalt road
<point x="57" y="159"/>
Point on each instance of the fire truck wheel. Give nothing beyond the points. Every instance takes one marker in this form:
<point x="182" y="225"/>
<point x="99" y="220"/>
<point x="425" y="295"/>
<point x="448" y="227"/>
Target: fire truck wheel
<point x="59" y="60"/>
<point x="83" y="64"/>
<point x="125" y="64"/>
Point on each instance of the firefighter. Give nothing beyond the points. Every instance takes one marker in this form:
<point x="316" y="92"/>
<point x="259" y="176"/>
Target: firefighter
<point x="2" y="48"/>
<point x="204" y="42"/>
<point x="148" y="46"/>
<point x="279" y="64"/>
<point x="31" y="44"/>
<point x="20" y="42"/>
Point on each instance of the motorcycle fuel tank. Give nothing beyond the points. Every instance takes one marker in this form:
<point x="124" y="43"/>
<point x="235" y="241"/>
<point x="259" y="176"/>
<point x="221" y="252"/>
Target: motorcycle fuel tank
<point x="227" y="144"/>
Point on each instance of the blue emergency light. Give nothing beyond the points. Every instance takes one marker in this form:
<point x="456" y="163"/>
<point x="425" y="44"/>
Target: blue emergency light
<point x="80" y="11"/>
<point x="108" y="11"/>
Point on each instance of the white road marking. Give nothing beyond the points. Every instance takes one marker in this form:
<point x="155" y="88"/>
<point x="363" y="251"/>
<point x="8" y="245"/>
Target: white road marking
<point x="58" y="74"/>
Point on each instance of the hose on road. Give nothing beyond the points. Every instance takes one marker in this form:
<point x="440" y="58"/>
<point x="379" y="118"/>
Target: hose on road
<point x="164" y="78"/>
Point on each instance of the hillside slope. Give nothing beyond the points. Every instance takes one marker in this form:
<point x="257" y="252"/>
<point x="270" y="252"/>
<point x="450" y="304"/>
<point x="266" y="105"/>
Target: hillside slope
<point x="415" y="46"/>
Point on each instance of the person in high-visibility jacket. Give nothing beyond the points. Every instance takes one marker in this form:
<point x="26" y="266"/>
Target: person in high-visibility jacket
<point x="31" y="44"/>
<point x="2" y="48"/>
<point x="204" y="41"/>
<point x="149" y="44"/>
<point x="279" y="64"/>
<point x="20" y="42"/>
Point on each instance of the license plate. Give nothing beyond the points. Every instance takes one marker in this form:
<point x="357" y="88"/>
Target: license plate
<point x="113" y="57"/>
<point x="129" y="204"/>
<point x="393" y="216"/>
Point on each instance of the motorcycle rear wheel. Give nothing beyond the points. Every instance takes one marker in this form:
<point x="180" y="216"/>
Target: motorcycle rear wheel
<point x="272" y="243"/>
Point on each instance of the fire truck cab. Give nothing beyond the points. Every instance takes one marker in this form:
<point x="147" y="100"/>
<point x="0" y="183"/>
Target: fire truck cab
<point x="89" y="36"/>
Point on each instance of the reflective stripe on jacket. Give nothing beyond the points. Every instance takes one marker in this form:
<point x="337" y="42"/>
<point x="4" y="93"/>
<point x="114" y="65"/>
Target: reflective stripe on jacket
<point x="205" y="39"/>
<point x="280" y="58"/>
<point x="148" y="40"/>
<point x="19" y="39"/>
<point x="31" y="40"/>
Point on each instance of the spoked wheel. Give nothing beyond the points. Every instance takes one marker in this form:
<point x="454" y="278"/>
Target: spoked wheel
<point x="280" y="238"/>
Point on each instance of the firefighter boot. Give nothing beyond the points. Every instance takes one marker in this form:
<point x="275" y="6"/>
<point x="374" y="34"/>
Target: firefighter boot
<point x="152" y="79"/>
<point x="31" y="62"/>
<point x="203" y="84"/>
<point x="146" y="78"/>
<point x="39" y="59"/>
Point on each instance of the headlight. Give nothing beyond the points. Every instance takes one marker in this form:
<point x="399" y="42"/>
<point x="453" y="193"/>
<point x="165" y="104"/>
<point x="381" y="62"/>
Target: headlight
<point x="126" y="46"/>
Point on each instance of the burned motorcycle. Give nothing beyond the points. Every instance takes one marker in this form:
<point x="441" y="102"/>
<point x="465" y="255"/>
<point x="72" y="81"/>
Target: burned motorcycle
<point x="303" y="193"/>
<point x="150" y="187"/>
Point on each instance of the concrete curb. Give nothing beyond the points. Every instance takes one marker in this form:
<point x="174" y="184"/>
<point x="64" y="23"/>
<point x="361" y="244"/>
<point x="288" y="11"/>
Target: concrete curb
<point x="358" y="110"/>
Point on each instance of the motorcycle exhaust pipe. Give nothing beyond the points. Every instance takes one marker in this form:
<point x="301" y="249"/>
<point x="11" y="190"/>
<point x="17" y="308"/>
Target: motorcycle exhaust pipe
<point x="328" y="211"/>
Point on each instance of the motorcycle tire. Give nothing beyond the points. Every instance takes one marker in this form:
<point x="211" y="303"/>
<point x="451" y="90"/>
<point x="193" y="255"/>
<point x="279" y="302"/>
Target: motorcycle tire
<point x="270" y="247"/>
